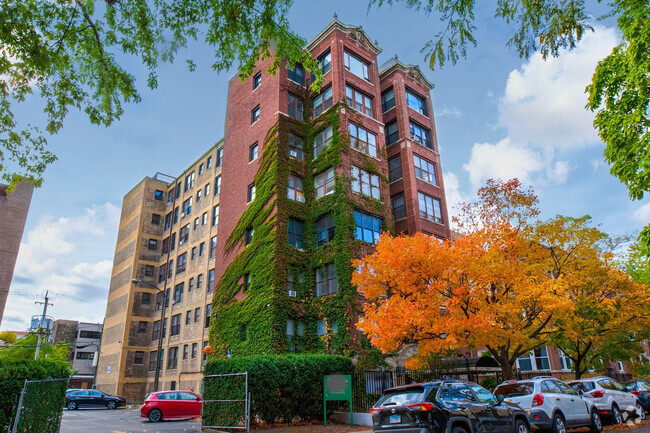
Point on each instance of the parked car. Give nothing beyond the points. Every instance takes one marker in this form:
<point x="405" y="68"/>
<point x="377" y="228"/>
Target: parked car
<point x="551" y="404"/>
<point x="640" y="388"/>
<point x="162" y="405"/>
<point x="92" y="398"/>
<point x="610" y="398"/>
<point x="69" y="390"/>
<point x="451" y="406"/>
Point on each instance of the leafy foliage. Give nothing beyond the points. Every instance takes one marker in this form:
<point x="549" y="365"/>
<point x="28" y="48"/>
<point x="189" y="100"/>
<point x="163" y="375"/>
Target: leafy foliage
<point x="25" y="348"/>
<point x="8" y="337"/>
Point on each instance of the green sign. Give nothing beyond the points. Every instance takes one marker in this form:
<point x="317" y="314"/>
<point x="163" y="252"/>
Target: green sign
<point x="337" y="387"/>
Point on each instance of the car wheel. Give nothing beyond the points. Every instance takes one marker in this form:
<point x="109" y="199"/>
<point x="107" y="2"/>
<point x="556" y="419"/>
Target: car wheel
<point x="558" y="424"/>
<point x="111" y="405"/>
<point x="155" y="415"/>
<point x="616" y="415"/>
<point x="596" y="426"/>
<point x="522" y="427"/>
<point x="71" y="405"/>
<point x="640" y="412"/>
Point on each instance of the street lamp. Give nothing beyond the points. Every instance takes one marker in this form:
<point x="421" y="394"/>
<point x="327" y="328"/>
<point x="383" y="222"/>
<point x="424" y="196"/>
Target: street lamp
<point x="160" y="332"/>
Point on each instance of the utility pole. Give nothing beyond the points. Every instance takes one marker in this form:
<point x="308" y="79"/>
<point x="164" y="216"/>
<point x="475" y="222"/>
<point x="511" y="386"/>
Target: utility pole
<point x="40" y="325"/>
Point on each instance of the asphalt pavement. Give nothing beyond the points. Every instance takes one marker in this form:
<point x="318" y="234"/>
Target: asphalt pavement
<point x="121" y="420"/>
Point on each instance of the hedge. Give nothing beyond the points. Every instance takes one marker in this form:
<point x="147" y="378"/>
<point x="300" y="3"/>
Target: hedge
<point x="14" y="372"/>
<point x="283" y="388"/>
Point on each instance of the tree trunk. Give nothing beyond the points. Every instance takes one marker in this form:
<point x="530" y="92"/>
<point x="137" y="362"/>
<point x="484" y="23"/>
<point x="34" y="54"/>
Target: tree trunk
<point x="506" y="369"/>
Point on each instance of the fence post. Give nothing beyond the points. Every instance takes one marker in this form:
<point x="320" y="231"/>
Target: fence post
<point x="20" y="407"/>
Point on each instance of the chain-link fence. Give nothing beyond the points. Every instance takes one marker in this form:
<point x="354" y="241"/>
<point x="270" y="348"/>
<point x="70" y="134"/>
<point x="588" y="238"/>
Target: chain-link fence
<point x="226" y="402"/>
<point x="40" y="406"/>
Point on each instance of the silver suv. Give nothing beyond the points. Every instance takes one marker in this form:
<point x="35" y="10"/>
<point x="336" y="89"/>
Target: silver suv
<point x="610" y="398"/>
<point x="551" y="404"/>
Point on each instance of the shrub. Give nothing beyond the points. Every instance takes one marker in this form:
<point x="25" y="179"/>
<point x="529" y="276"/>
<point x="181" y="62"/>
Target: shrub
<point x="283" y="388"/>
<point x="14" y="372"/>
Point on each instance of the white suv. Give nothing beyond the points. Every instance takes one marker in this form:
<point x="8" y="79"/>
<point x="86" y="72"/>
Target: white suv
<point x="610" y="398"/>
<point x="551" y="404"/>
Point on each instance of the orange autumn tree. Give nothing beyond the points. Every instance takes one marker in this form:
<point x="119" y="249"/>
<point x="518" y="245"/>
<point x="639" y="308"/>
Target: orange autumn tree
<point x="486" y="288"/>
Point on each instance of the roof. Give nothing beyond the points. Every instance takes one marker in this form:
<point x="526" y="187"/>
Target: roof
<point x="356" y="33"/>
<point x="412" y="71"/>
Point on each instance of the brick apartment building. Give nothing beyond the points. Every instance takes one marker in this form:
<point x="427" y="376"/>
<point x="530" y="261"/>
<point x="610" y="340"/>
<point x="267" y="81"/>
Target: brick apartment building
<point x="83" y="339"/>
<point x="262" y="261"/>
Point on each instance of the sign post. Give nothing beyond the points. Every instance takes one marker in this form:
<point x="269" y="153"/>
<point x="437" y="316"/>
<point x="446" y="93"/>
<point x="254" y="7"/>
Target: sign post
<point x="337" y="387"/>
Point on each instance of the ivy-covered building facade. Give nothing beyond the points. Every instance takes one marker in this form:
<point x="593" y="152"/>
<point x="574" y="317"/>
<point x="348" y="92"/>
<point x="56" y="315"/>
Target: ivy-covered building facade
<point x="271" y="217"/>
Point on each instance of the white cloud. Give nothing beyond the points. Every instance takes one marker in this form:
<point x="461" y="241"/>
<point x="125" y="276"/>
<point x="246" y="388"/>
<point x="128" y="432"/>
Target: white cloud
<point x="559" y="174"/>
<point x="595" y="164"/>
<point x="642" y="214"/>
<point x="447" y="110"/>
<point x="544" y="101"/>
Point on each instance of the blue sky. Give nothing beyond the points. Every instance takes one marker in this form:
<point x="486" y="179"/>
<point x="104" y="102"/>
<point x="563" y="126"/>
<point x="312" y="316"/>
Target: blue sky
<point x="497" y="116"/>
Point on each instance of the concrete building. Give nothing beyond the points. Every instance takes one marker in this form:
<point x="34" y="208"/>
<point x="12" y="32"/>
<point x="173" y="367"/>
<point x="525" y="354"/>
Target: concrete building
<point x="84" y="340"/>
<point x="13" y="213"/>
<point x="310" y="180"/>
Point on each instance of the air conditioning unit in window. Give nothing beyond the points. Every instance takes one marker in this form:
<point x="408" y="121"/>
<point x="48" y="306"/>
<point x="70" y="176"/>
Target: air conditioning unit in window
<point x="300" y="199"/>
<point x="292" y="293"/>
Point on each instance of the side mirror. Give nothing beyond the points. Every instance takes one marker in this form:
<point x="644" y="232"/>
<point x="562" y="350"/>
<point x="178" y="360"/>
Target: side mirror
<point x="581" y="392"/>
<point x="500" y="399"/>
<point x="198" y="398"/>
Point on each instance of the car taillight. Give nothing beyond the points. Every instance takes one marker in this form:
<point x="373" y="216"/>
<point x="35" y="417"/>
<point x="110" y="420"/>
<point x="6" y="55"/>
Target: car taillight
<point x="426" y="407"/>
<point x="599" y="393"/>
<point x="538" y="400"/>
<point x="374" y="410"/>
<point x="636" y="392"/>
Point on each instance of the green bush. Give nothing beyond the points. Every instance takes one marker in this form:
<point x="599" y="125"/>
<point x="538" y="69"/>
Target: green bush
<point x="283" y="388"/>
<point x="14" y="372"/>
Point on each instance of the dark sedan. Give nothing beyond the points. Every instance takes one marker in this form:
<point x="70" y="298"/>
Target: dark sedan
<point x="446" y="406"/>
<point x="92" y="398"/>
<point x="640" y="388"/>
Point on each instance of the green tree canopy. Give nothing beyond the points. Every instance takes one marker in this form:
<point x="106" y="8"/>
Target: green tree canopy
<point x="25" y="348"/>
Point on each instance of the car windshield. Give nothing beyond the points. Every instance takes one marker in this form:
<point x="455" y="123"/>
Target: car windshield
<point x="517" y="389"/>
<point x="483" y="394"/>
<point x="583" y="386"/>
<point x="402" y="396"/>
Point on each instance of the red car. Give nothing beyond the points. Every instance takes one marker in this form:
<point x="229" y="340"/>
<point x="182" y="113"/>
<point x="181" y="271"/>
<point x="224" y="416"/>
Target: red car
<point x="171" y="404"/>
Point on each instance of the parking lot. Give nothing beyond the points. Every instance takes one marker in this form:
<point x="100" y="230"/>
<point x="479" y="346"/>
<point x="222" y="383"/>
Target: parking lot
<point x="122" y="420"/>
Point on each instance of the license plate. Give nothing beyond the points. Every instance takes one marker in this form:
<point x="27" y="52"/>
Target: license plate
<point x="395" y="419"/>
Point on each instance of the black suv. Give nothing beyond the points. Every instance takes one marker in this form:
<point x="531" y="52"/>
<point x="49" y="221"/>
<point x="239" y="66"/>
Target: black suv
<point x="446" y="406"/>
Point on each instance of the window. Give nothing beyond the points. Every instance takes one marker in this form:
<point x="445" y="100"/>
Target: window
<point x="153" y="244"/>
<point x="178" y="189"/>
<point x="326" y="282"/>
<point x="387" y="100"/>
<point x="416" y="102"/>
<point x="565" y="361"/>
<point x="155" y="219"/>
<point x="195" y="350"/>
<point x="181" y="265"/>
<point x="290" y="278"/>
<point x="365" y="183"/>
<point x="190" y="284"/>
<point x="189" y="181"/>
<point x="204" y="218"/>
<point x="252" y="152"/>
<point x="207" y="189"/>
<point x="391" y="132"/>
<point x="199" y="281"/>
<point x="208" y="163"/>
<point x="197" y="314"/>
<point x="321" y="140"/>
<point x="363" y="140"/>
<point x="158" y="195"/>
<point x="187" y="207"/>
<point x="325" y="230"/>
<point x="217" y="185"/>
<point x="358" y="101"/>
<point x="146" y="298"/>
<point x="219" y="157"/>
<point x="196" y="223"/>
<point x="420" y="134"/>
<point x="201" y="249"/>
<point x="172" y="358"/>
<point x="184" y="235"/>
<point x="297" y="74"/>
<point x="186" y="351"/>
<point x="208" y="313"/>
<point x="294" y="189"/>
<point x="176" y="325"/>
<point x="162" y="271"/>
<point x="200" y="169"/>
<point x="424" y="170"/>
<point x="295" y="233"/>
<point x="213" y="246"/>
<point x="367" y="227"/>
<point x="198" y="195"/>
<point x="394" y="168"/>
<point x="399" y="208"/>
<point x="290" y="333"/>
<point x="257" y="80"/>
<point x="178" y="292"/>
<point x="541" y="358"/>
<point x="325" y="61"/>
<point x="255" y="114"/>
<point x="430" y="207"/>
<point x="148" y="270"/>
<point x="155" y="332"/>
<point x="248" y="236"/>
<point x="324" y="183"/>
<point x="172" y="242"/>
<point x="246" y="282"/>
<point x="295" y="107"/>
<point x="90" y="334"/>
<point x="210" y="280"/>
<point x="215" y="215"/>
<point x="170" y="269"/>
<point x="142" y="327"/>
<point x="323" y="101"/>
<point x="170" y="196"/>
<point x="321" y="329"/>
<point x="356" y="66"/>
<point x="205" y="357"/>
<point x="295" y="147"/>
<point x="168" y="221"/>
<point x="138" y="358"/>
<point x="152" y="360"/>
<point x="251" y="192"/>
